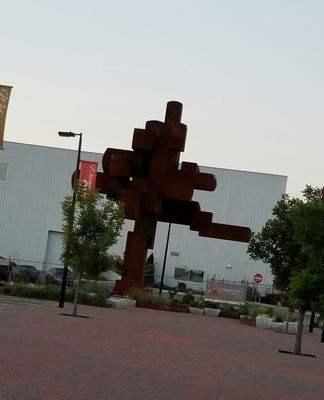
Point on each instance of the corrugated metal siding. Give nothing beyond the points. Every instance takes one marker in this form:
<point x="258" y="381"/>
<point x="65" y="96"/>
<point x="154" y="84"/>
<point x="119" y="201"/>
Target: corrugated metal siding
<point x="39" y="179"/>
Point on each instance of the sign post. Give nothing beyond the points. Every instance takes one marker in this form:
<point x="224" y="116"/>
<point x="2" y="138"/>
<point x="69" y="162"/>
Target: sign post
<point x="258" y="278"/>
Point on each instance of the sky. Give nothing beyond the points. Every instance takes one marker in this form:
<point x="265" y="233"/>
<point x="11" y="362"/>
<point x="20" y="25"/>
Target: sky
<point x="248" y="73"/>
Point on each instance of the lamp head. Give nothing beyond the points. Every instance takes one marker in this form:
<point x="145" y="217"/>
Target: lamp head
<point x="67" y="134"/>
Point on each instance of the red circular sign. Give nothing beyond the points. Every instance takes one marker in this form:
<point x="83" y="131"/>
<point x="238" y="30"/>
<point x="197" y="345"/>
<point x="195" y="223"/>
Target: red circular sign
<point x="258" y="278"/>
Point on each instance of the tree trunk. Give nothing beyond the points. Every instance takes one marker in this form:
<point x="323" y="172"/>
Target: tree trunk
<point x="299" y="335"/>
<point x="311" y="322"/>
<point x="287" y="321"/>
<point x="76" y="296"/>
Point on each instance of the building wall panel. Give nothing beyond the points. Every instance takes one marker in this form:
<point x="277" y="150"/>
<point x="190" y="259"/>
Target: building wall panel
<point x="39" y="178"/>
<point x="241" y="198"/>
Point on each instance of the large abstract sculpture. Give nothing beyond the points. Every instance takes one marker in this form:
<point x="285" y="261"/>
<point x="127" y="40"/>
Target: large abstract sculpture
<point x="153" y="187"/>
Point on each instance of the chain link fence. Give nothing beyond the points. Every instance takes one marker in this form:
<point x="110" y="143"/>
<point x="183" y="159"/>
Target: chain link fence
<point x="213" y="289"/>
<point x="210" y="288"/>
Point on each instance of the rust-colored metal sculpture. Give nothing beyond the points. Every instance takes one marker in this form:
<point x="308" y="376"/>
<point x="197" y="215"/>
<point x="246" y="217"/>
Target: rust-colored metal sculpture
<point x="152" y="186"/>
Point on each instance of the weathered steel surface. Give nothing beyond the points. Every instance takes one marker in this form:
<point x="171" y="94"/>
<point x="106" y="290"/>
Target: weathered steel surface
<point x="152" y="186"/>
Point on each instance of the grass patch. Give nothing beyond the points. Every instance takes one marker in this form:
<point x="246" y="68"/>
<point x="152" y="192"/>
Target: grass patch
<point x="88" y="294"/>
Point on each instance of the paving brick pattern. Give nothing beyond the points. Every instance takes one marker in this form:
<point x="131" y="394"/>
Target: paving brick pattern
<point x="130" y="354"/>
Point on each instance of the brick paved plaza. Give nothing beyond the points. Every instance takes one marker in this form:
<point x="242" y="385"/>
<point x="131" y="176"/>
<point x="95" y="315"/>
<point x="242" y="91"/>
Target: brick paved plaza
<point x="130" y="354"/>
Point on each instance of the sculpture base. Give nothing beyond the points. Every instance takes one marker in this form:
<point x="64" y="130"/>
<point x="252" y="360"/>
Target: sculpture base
<point x="126" y="287"/>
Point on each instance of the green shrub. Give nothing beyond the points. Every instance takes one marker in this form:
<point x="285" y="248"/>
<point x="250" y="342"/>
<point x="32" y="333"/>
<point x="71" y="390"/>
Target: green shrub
<point x="211" y="304"/>
<point x="244" y="310"/>
<point x="252" y="293"/>
<point x="270" y="312"/>
<point x="156" y="285"/>
<point x="50" y="279"/>
<point x="252" y="312"/>
<point x="189" y="299"/>
<point x="182" y="287"/>
<point x="174" y="302"/>
<point x="271" y="298"/>
<point x="5" y="289"/>
<point x="52" y="292"/>
<point x="199" y="292"/>
<point x="141" y="297"/>
<point x="229" y="312"/>
<point x="100" y="288"/>
<point x="277" y="318"/>
<point x="20" y="277"/>
<point x="103" y="277"/>
<point x="94" y="299"/>
<point x="147" y="298"/>
<point x="91" y="296"/>
<point x="47" y="292"/>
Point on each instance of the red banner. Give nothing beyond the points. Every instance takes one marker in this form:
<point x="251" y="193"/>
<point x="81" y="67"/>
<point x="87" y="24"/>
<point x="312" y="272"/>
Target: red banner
<point x="4" y="100"/>
<point x="88" y="174"/>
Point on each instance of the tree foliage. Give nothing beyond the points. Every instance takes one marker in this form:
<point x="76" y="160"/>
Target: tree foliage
<point x="90" y="227"/>
<point x="292" y="244"/>
<point x="276" y="244"/>
<point x="308" y="218"/>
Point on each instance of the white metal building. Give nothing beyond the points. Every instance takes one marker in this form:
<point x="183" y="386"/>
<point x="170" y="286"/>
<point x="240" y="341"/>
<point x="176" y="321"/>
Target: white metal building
<point x="35" y="179"/>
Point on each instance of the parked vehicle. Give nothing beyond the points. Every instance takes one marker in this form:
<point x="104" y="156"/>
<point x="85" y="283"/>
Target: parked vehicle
<point x="58" y="274"/>
<point x="4" y="272"/>
<point x="6" y="267"/>
<point x="29" y="271"/>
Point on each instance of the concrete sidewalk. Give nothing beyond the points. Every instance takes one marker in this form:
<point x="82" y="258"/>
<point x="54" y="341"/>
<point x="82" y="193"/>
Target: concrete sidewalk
<point x="21" y="302"/>
<point x="130" y="354"/>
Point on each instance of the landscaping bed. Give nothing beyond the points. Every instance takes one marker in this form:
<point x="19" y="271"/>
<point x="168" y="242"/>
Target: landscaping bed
<point x="90" y="294"/>
<point x="246" y="320"/>
<point x="164" y="307"/>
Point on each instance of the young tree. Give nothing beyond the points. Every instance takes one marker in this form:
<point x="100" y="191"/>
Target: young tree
<point x="278" y="245"/>
<point x="91" y="224"/>
<point x="304" y="294"/>
<point x="309" y="231"/>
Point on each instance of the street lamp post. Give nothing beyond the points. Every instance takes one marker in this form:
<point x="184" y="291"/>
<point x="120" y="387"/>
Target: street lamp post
<point x="65" y="269"/>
